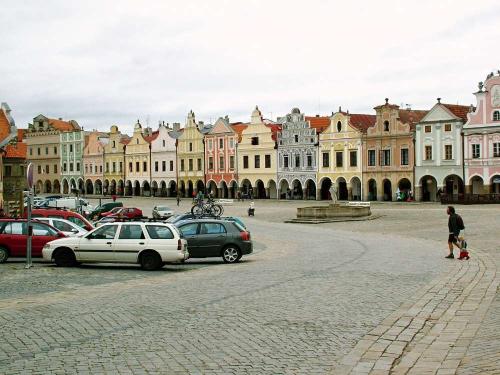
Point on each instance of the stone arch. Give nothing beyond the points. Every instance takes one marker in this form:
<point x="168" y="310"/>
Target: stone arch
<point x="233" y="188"/>
<point x="284" y="189"/>
<point x="98" y="186"/>
<point x="325" y="184"/>
<point x="453" y="184"/>
<point x="297" y="191"/>
<point x="112" y="188"/>
<point x="120" y="188"/>
<point x="154" y="189"/>
<point x="260" y="190"/>
<point x="429" y="189"/>
<point x="224" y="189"/>
<point x="56" y="187"/>
<point x="39" y="186"/>
<point x="81" y="186"/>
<point x="246" y="188"/>
<point x="146" y="189"/>
<point x="273" y="191"/>
<point x="65" y="186"/>
<point x="372" y="189"/>
<point x="355" y="188"/>
<point x="182" y="189"/>
<point x="105" y="188"/>
<point x="404" y="186"/>
<point x="495" y="184"/>
<point x="172" y="188"/>
<point x="48" y="186"/>
<point x="310" y="189"/>
<point x="212" y="188"/>
<point x="342" y="191"/>
<point x="137" y="188"/>
<point x="200" y="186"/>
<point x="89" y="187"/>
<point x="128" y="188"/>
<point x="387" y="186"/>
<point x="72" y="185"/>
<point x="476" y="183"/>
<point x="190" y="189"/>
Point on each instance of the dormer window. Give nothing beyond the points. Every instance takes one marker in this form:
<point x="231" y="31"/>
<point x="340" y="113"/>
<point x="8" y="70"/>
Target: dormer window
<point x="114" y="144"/>
<point x="137" y="141"/>
<point x="296" y="138"/>
<point x="163" y="143"/>
<point x="255" y="141"/>
<point x="386" y="126"/>
<point x="339" y="126"/>
<point x="496" y="116"/>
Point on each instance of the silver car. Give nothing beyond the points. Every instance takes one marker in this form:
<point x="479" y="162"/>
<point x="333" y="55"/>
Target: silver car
<point x="69" y="228"/>
<point x="162" y="212"/>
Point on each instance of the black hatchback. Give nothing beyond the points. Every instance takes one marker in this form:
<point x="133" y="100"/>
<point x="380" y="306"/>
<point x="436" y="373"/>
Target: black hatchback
<point x="215" y="238"/>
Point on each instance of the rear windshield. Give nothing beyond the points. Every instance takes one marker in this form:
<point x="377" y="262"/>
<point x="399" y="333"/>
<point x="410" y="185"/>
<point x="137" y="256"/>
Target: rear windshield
<point x="238" y="225"/>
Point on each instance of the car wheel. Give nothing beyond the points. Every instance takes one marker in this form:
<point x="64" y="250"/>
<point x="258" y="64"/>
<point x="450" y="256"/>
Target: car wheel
<point x="150" y="261"/>
<point x="231" y="254"/>
<point x="65" y="258"/>
<point x="4" y="254"/>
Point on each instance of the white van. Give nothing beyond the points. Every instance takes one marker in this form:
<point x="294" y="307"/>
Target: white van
<point x="70" y="203"/>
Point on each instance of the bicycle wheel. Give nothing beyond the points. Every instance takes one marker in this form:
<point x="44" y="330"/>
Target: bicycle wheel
<point x="197" y="210"/>
<point x="217" y="210"/>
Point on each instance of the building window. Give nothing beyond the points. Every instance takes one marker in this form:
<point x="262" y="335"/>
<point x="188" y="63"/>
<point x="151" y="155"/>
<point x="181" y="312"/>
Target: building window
<point x="221" y="162"/>
<point x="77" y="148"/>
<point x="309" y="160"/>
<point x="326" y="159"/>
<point x="476" y="151"/>
<point x="38" y="151"/>
<point x="257" y="161"/>
<point x="339" y="156"/>
<point x="137" y="166"/>
<point x="209" y="144"/>
<point x="339" y="126"/>
<point x="100" y="169"/>
<point x="86" y="168"/>
<point x="137" y="141"/>
<point x="171" y="165"/>
<point x="107" y="167"/>
<point x="353" y="158"/>
<point x="210" y="163"/>
<point x="386" y="158"/>
<point x="297" y="160"/>
<point x="231" y="143"/>
<point x="121" y="167"/>
<point x="46" y="150"/>
<point x="190" y="146"/>
<point x="65" y="167"/>
<point x="39" y="169"/>
<point x="31" y="151"/>
<point x="386" y="126"/>
<point x="47" y="170"/>
<point x="285" y="161"/>
<point x="190" y="164"/>
<point x="245" y="161"/>
<point x="163" y="143"/>
<point x="182" y="165"/>
<point x="405" y="156"/>
<point x="7" y="171"/>
<point x="114" y="167"/>
<point x="296" y="138"/>
<point x="231" y="162"/>
<point x="221" y="143"/>
<point x="447" y="127"/>
<point x="130" y="167"/>
<point x="114" y="144"/>
<point x="427" y="129"/>
<point x="428" y="152"/>
<point x="164" y="165"/>
<point x="78" y="167"/>
<point x="144" y="166"/>
<point x="267" y="161"/>
<point x="70" y="148"/>
<point x="496" y="149"/>
<point x="55" y="150"/>
<point x="448" y="152"/>
<point x="71" y="167"/>
<point x="199" y="164"/>
<point x="156" y="166"/>
<point x="371" y="158"/>
<point x="496" y="116"/>
<point x="255" y="141"/>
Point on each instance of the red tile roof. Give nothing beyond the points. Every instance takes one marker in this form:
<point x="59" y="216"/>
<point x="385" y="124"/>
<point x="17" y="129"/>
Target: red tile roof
<point x="20" y="134"/>
<point x="62" y="125"/>
<point x="16" y="151"/>
<point x="275" y="128"/>
<point x="238" y="127"/>
<point x="319" y="123"/>
<point x="4" y="125"/>
<point x="410" y="116"/>
<point x="152" y="137"/>
<point x="125" y="140"/>
<point x="362" y="121"/>
<point x="458" y="110"/>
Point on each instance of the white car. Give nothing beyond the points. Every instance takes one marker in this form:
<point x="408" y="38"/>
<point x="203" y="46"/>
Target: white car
<point x="162" y="212"/>
<point x="69" y="228"/>
<point x="149" y="244"/>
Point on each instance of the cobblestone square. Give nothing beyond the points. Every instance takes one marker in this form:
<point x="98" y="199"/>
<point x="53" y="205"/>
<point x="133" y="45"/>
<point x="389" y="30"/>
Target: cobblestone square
<point x="354" y="297"/>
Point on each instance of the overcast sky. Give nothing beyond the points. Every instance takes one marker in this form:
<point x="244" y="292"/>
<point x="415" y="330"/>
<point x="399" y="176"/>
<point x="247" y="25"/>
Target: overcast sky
<point x="113" y="62"/>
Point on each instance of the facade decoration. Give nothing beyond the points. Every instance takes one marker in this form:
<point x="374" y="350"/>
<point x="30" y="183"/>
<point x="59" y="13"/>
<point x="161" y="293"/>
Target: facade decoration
<point x="438" y="151"/>
<point x="93" y="161"/>
<point x="163" y="154"/>
<point x="341" y="155"/>
<point x="297" y="157"/>
<point x="257" y="156"/>
<point x="71" y="166"/>
<point x="221" y="143"/>
<point x="388" y="153"/>
<point x="113" y="180"/>
<point x="43" y="141"/>
<point x="482" y="140"/>
<point x="138" y="162"/>
<point x="191" y="157"/>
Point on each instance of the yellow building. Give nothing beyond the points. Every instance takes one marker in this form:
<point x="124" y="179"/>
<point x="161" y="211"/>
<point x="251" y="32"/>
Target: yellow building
<point x="257" y="168"/>
<point x="138" y="161"/>
<point x="340" y="155"/>
<point x="191" y="157"/>
<point x="112" y="168"/>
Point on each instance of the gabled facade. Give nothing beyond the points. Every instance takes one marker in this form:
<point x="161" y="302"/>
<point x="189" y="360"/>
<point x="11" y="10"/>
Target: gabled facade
<point x="72" y="144"/>
<point x="341" y="155"/>
<point x="113" y="167"/>
<point x="163" y="154"/>
<point x="438" y="151"/>
<point x="388" y="155"/>
<point x="190" y="158"/>
<point x="257" y="158"/>
<point x="482" y="140"/>
<point x="44" y="142"/>
<point x="14" y="171"/>
<point x="8" y="133"/>
<point x="138" y="161"/>
<point x="221" y="159"/>
<point x="93" y="161"/>
<point x="297" y="157"/>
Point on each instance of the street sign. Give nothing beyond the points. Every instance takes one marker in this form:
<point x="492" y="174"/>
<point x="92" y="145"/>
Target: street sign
<point x="29" y="176"/>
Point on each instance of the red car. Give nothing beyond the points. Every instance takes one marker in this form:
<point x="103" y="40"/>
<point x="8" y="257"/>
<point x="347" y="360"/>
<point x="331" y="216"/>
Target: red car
<point x="124" y="212"/>
<point x="56" y="213"/>
<point x="14" y="233"/>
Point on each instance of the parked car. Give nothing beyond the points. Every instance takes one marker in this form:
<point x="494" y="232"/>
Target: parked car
<point x="149" y="244"/>
<point x="216" y="238"/>
<point x="53" y="197"/>
<point x="105" y="207"/>
<point x="162" y="212"/>
<point x="189" y="216"/>
<point x="180" y="217"/>
<point x="113" y="211"/>
<point x="58" y="213"/>
<point x="124" y="212"/>
<point x="14" y="233"/>
<point x="71" y="203"/>
<point x="69" y="228"/>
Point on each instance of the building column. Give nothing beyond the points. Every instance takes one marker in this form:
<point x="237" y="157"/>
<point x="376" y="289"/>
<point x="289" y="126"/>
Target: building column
<point x="468" y="189"/>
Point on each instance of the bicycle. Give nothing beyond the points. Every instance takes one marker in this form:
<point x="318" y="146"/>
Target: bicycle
<point x="201" y="208"/>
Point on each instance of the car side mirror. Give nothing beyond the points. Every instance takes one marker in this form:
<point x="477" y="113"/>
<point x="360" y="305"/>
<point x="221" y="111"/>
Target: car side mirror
<point x="74" y="230"/>
<point x="60" y="234"/>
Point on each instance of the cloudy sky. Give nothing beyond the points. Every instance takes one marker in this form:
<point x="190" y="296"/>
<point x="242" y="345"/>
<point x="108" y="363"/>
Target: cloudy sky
<point x="113" y="62"/>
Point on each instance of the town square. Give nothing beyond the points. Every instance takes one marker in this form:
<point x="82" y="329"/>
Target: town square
<point x="260" y="187"/>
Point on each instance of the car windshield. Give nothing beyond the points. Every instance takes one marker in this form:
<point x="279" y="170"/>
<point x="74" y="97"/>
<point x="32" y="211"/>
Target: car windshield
<point x="162" y="208"/>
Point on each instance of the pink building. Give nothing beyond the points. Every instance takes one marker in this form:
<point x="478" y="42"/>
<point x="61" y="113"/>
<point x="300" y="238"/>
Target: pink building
<point x="482" y="140"/>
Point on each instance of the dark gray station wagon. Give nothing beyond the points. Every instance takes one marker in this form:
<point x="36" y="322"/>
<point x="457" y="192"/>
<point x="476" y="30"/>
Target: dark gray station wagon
<point x="216" y="238"/>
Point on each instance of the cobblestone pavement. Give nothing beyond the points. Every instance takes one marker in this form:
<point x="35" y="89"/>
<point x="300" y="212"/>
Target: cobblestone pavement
<point x="300" y="305"/>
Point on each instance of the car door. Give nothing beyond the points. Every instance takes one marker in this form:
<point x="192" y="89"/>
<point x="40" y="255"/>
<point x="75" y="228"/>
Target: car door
<point x="190" y="233"/>
<point x="14" y="235"/>
<point x="131" y="240"/>
<point x="97" y="246"/>
<point x="42" y="233"/>
<point x="212" y="238"/>
<point x="161" y="238"/>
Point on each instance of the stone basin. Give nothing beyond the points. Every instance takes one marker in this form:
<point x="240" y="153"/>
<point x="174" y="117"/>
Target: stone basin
<point x="335" y="210"/>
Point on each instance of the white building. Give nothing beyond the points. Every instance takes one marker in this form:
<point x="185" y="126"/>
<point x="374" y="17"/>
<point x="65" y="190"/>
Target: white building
<point x="163" y="163"/>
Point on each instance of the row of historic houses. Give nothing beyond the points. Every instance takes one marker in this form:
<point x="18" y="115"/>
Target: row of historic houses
<point x="449" y="149"/>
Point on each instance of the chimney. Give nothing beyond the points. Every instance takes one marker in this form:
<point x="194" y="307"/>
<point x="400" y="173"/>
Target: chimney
<point x="439" y="100"/>
<point x="386" y="100"/>
<point x="176" y="126"/>
<point x="60" y="118"/>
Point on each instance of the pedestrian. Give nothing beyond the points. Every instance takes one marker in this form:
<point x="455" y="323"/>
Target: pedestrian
<point x="455" y="225"/>
<point x="178" y="200"/>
